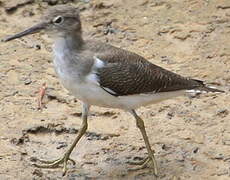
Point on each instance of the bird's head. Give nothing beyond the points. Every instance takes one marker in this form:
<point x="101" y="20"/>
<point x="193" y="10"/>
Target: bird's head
<point x="58" y="21"/>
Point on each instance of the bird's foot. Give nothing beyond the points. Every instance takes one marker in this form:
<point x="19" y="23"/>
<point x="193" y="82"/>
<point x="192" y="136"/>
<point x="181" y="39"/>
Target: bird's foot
<point x="141" y="164"/>
<point x="148" y="161"/>
<point x="55" y="163"/>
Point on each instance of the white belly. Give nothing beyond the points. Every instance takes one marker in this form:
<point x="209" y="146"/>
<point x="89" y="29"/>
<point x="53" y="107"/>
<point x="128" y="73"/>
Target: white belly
<point x="95" y="95"/>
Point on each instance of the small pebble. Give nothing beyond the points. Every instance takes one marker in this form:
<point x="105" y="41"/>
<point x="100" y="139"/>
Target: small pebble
<point x="27" y="81"/>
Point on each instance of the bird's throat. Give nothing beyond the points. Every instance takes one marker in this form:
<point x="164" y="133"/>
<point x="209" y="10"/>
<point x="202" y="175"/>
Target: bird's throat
<point x="68" y="42"/>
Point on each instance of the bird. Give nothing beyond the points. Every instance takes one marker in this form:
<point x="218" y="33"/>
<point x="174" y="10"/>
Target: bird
<point x="100" y="74"/>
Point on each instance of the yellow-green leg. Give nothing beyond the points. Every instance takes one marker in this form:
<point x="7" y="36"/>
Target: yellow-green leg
<point x="66" y="157"/>
<point x="150" y="159"/>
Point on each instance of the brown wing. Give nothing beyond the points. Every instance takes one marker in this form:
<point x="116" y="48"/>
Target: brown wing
<point x="127" y="73"/>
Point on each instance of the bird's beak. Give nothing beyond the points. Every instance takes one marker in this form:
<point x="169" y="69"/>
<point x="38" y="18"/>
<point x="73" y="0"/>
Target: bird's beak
<point x="34" y="29"/>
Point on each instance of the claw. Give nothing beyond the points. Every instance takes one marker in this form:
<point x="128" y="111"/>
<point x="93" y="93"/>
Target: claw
<point x="148" y="161"/>
<point x="49" y="164"/>
<point x="55" y="163"/>
<point x="142" y="164"/>
<point x="138" y="162"/>
<point x="46" y="161"/>
<point x="46" y="165"/>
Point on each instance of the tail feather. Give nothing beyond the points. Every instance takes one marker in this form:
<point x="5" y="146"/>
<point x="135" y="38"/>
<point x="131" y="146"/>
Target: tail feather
<point x="206" y="88"/>
<point x="210" y="89"/>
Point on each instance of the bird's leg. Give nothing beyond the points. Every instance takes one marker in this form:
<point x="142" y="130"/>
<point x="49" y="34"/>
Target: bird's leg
<point x="151" y="158"/>
<point x="66" y="157"/>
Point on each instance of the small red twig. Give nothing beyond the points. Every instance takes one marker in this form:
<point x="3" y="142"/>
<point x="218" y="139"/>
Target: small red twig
<point x="41" y="94"/>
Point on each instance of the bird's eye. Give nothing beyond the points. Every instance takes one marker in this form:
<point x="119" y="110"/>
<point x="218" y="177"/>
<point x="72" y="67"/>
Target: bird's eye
<point x="58" y="20"/>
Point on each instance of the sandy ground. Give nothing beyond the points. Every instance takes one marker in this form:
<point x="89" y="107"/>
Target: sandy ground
<point x="191" y="135"/>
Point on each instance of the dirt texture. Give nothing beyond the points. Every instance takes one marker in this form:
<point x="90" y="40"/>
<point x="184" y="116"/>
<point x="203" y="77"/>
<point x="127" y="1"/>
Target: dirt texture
<point x="191" y="135"/>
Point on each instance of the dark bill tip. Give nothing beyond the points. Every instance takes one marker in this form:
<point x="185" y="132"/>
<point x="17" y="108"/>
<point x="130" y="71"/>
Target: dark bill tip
<point x="32" y="30"/>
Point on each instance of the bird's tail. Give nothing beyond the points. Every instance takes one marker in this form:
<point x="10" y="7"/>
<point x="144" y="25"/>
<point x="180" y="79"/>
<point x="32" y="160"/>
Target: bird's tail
<point x="210" y="89"/>
<point x="205" y="88"/>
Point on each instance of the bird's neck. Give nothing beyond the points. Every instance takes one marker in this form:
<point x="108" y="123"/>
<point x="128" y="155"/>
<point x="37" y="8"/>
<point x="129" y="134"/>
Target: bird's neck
<point x="68" y="42"/>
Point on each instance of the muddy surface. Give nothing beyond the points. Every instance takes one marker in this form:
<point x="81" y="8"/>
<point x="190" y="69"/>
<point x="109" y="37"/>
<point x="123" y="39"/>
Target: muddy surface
<point x="191" y="135"/>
